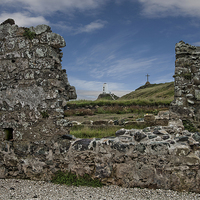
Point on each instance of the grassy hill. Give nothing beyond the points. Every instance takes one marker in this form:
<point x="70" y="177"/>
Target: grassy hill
<point x="152" y="92"/>
<point x="150" y="95"/>
<point x="146" y="99"/>
<point x="107" y="97"/>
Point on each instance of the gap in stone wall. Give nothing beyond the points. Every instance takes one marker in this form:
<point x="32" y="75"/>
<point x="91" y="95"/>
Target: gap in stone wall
<point x="8" y="133"/>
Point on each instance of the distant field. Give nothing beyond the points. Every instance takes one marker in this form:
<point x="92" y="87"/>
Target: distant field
<point x="147" y="95"/>
<point x="152" y="92"/>
<point x="146" y="99"/>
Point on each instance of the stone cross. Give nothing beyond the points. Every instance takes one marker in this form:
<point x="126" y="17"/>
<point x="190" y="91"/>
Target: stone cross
<point x="147" y="77"/>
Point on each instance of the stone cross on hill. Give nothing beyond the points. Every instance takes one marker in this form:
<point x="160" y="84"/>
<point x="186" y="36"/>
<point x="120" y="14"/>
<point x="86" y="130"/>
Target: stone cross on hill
<point x="147" y="79"/>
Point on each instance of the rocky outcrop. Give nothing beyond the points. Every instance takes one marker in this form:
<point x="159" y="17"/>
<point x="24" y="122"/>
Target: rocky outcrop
<point x="186" y="104"/>
<point x="154" y="157"/>
<point x="33" y="87"/>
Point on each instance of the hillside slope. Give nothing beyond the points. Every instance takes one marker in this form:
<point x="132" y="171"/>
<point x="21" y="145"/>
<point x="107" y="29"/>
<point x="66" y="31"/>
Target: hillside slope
<point x="107" y="97"/>
<point x="152" y="91"/>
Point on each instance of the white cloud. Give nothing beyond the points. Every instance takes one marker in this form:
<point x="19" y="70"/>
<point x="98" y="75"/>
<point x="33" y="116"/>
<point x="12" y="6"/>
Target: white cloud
<point x="86" y="85"/>
<point x="100" y="56"/>
<point x="95" y="85"/>
<point x="33" y="12"/>
<point x="123" y="67"/>
<point x="120" y="68"/>
<point x="107" y="61"/>
<point x="197" y="44"/>
<point x="165" y="78"/>
<point x="98" y="24"/>
<point x="23" y="19"/>
<point x="49" y="6"/>
<point x="152" y="8"/>
<point x="92" y="95"/>
<point x="91" y="89"/>
<point x="158" y="8"/>
<point x="87" y="94"/>
<point x="121" y="93"/>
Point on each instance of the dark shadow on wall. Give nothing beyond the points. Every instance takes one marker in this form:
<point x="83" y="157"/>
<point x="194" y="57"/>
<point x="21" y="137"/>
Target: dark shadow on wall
<point x="8" y="133"/>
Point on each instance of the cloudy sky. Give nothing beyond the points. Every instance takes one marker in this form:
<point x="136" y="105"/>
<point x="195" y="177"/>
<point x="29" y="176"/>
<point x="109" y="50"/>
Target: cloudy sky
<point x="113" y="41"/>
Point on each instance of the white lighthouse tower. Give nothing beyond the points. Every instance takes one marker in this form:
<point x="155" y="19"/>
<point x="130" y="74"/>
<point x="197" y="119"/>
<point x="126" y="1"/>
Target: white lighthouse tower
<point x="105" y="88"/>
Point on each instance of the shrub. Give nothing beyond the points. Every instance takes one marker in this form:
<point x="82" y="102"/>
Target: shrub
<point x="189" y="126"/>
<point x="69" y="178"/>
<point x="29" y="34"/>
<point x="44" y="114"/>
<point x="187" y="76"/>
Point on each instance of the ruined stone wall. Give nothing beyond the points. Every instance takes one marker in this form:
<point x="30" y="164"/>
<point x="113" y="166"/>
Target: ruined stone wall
<point x="33" y="87"/>
<point x="156" y="157"/>
<point x="33" y="140"/>
<point x="186" y="104"/>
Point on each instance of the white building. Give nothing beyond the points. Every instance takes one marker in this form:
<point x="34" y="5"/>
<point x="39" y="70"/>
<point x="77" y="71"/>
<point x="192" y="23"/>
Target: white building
<point x="105" y="88"/>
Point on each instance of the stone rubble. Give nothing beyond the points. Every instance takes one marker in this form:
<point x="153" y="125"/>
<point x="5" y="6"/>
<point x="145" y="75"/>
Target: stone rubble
<point x="149" y="120"/>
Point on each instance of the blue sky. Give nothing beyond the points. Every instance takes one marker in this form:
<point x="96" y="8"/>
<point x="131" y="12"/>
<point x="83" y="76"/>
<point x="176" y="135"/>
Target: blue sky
<point x="113" y="41"/>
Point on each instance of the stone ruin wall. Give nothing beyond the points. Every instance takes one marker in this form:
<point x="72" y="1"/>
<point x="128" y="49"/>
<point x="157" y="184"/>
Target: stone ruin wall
<point x="33" y="92"/>
<point x="186" y="104"/>
<point x="33" y="87"/>
<point x="155" y="157"/>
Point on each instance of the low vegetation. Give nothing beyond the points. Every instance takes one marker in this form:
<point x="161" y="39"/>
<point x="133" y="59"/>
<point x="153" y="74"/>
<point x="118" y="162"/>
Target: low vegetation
<point x="189" y="126"/>
<point x="80" y="131"/>
<point x="69" y="178"/>
<point x="147" y="95"/>
<point x="29" y="34"/>
<point x="146" y="99"/>
<point x="158" y="93"/>
<point x="44" y="114"/>
<point x="120" y="102"/>
<point x="116" y="109"/>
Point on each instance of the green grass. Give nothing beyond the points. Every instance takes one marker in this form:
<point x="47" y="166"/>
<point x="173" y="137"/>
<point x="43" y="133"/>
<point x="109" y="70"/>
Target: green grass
<point x="69" y="178"/>
<point x="136" y="126"/>
<point x="29" y="34"/>
<point x="44" y="114"/>
<point x="82" y="131"/>
<point x="116" y="109"/>
<point x="189" y="126"/>
<point x="146" y="99"/>
<point x="157" y="92"/>
<point x="147" y="95"/>
<point x="93" y="132"/>
<point x="122" y="102"/>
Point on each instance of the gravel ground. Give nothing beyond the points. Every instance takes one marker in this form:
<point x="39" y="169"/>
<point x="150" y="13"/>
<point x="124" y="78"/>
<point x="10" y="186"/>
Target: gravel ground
<point x="26" y="189"/>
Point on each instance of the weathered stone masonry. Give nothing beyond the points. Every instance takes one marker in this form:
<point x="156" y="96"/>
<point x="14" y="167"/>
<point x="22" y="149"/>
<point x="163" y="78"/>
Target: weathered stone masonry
<point x="186" y="104"/>
<point x="33" y="87"/>
<point x="156" y="157"/>
<point x="33" y="139"/>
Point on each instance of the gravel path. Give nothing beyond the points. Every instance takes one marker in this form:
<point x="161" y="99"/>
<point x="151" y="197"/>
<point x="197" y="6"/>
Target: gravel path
<point x="26" y="189"/>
